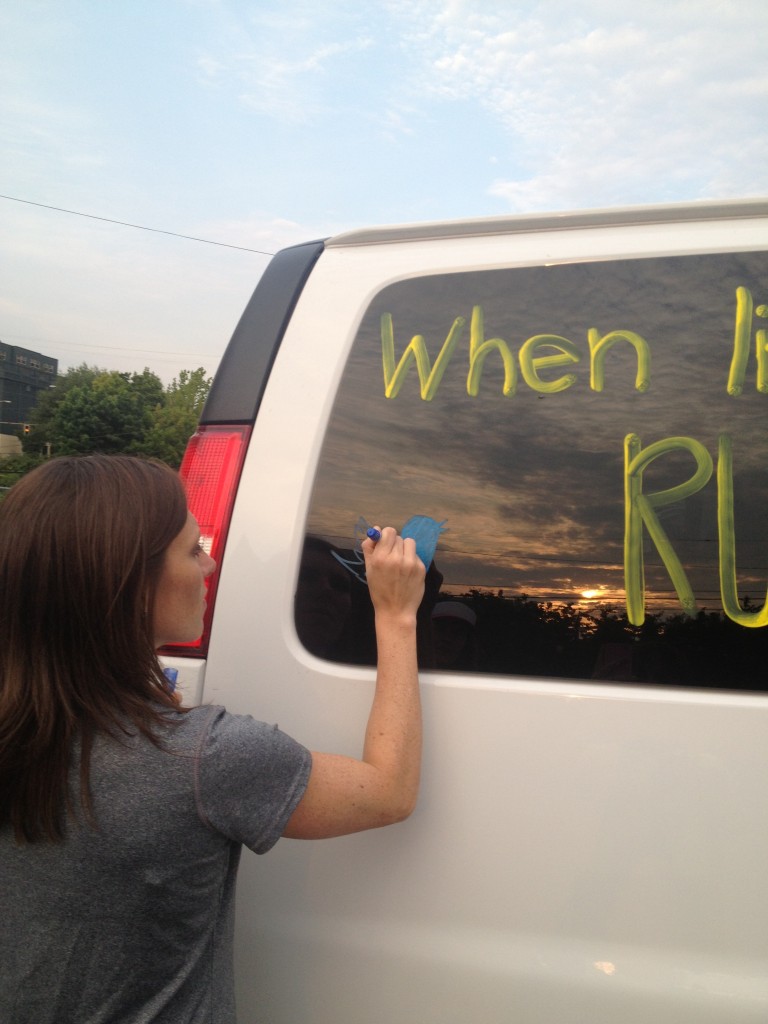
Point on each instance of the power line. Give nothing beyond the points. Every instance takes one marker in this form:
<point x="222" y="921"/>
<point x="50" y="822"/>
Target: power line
<point x="139" y="227"/>
<point x="76" y="345"/>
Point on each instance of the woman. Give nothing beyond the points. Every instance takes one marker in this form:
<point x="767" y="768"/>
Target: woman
<point x="122" y="815"/>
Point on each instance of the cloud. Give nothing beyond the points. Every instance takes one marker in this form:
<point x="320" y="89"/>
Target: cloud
<point x="598" y="101"/>
<point x="280" y="89"/>
<point x="279" y="62"/>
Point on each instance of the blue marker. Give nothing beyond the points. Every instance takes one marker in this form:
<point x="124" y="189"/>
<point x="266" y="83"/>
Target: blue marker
<point x="172" y="675"/>
<point x="373" y="533"/>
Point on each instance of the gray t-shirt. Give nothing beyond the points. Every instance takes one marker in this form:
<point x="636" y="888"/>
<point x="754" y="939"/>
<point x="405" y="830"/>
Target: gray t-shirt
<point x="132" y="922"/>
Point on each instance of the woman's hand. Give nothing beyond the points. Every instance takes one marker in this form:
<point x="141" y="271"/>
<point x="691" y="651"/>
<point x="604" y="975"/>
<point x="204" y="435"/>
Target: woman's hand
<point x="395" y="573"/>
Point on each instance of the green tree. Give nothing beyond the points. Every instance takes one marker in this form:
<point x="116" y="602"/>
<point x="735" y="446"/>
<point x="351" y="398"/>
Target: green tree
<point x="110" y="413"/>
<point x="96" y="410"/>
<point x="43" y="415"/>
<point x="13" y="467"/>
<point x="175" y="419"/>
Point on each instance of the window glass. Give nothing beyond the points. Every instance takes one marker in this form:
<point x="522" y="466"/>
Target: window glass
<point x="586" y="443"/>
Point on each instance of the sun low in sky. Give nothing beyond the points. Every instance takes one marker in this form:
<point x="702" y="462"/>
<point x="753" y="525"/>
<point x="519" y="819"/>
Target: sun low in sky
<point x="260" y="123"/>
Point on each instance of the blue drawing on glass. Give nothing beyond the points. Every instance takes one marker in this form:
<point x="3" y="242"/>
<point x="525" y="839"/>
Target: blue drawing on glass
<point x="423" y="529"/>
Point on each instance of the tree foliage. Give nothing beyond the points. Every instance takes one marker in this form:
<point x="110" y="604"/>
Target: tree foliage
<point x="42" y="416"/>
<point x="175" y="419"/>
<point x="13" y="467"/>
<point x="95" y="410"/>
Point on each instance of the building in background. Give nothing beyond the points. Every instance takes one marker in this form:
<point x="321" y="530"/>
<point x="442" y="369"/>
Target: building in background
<point x="23" y="375"/>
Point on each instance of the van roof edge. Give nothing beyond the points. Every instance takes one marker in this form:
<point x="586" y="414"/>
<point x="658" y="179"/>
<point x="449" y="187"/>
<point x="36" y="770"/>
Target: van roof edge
<point x="704" y="209"/>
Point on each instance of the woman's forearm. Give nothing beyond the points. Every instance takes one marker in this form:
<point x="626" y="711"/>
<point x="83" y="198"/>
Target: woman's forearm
<point x="393" y="734"/>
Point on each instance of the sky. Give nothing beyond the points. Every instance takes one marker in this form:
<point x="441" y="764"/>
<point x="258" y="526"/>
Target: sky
<point x="256" y="125"/>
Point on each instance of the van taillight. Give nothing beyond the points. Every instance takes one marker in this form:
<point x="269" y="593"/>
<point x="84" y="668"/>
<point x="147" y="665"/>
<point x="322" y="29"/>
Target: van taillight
<point x="210" y="472"/>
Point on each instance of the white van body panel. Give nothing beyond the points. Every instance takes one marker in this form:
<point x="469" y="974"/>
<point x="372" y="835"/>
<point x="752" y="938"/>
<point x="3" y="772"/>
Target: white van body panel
<point x="581" y="851"/>
<point x="189" y="678"/>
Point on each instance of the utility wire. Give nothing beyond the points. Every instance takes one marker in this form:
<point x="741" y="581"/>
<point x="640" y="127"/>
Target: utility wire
<point x="140" y="227"/>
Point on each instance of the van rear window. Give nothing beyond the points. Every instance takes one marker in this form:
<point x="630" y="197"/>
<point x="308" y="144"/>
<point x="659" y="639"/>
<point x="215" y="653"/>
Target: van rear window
<point x="584" y="449"/>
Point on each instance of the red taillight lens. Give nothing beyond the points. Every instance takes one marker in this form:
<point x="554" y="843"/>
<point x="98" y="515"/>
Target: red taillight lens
<point x="210" y="471"/>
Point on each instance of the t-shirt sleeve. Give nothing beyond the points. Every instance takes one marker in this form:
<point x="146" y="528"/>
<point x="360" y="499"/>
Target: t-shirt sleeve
<point x="249" y="778"/>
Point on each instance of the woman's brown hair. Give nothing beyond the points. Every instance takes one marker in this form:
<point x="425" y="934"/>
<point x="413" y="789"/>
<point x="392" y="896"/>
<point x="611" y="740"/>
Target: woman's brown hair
<point x="82" y="545"/>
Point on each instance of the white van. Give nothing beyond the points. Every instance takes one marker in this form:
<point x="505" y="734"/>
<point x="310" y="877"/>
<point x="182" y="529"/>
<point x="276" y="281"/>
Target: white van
<point x="570" y="411"/>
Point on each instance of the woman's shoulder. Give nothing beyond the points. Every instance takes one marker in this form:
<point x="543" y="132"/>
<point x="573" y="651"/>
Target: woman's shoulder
<point x="211" y="724"/>
<point x="223" y="741"/>
<point x="190" y="726"/>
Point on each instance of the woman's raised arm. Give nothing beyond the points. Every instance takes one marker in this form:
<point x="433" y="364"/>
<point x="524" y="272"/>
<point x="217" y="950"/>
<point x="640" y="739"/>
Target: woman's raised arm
<point x="345" y="794"/>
